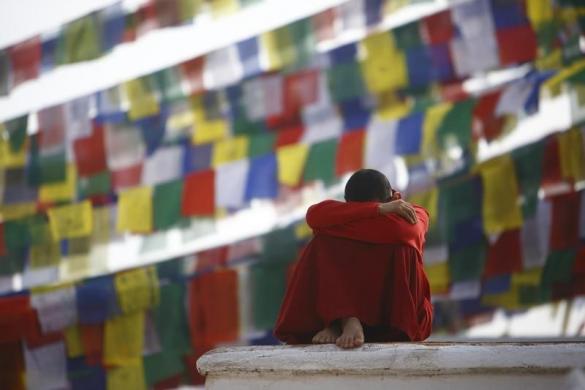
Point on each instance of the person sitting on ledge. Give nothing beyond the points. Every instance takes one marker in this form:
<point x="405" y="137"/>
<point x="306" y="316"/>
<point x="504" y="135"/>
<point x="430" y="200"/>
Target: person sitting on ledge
<point x="361" y="277"/>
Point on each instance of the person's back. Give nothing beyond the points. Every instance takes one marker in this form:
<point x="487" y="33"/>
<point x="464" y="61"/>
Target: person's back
<point x="362" y="268"/>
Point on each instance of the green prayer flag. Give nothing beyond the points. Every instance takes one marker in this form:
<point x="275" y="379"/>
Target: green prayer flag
<point x="280" y="245"/>
<point x="162" y="365"/>
<point x="534" y="295"/>
<point x="345" y="81"/>
<point x="167" y="204"/>
<point x="13" y="262"/>
<point x="321" y="162"/>
<point x="301" y="33"/>
<point x="456" y="126"/>
<point x="16" y="234"/>
<point x="170" y="269"/>
<point x="80" y="40"/>
<point x="98" y="184"/>
<point x="170" y="318"/>
<point x="17" y="132"/>
<point x="168" y="83"/>
<point x="4" y="73"/>
<point x="268" y="285"/>
<point x="467" y="263"/>
<point x="528" y="164"/>
<point x="408" y="36"/>
<point x="261" y="144"/>
<point x="459" y="200"/>
<point x="558" y="267"/>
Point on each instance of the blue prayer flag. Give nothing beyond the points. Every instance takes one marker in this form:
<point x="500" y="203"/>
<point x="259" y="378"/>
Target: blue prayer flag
<point x="96" y="300"/>
<point x="196" y="157"/>
<point x="496" y="285"/>
<point x="262" y="177"/>
<point x="249" y="57"/>
<point x="408" y="134"/>
<point x="113" y="26"/>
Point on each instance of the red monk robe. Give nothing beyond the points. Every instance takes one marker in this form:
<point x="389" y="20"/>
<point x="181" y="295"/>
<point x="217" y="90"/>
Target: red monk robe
<point x="361" y="264"/>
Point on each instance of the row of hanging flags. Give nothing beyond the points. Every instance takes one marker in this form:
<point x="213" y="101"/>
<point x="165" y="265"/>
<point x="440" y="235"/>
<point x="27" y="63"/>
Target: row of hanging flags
<point x="146" y="327"/>
<point x="97" y="34"/>
<point x="145" y="156"/>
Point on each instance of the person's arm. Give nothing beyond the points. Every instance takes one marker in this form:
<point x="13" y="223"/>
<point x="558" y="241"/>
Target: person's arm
<point x="333" y="212"/>
<point x="382" y="229"/>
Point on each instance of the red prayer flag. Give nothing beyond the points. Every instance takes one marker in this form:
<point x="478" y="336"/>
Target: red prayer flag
<point x="438" y="28"/>
<point x="92" y="339"/>
<point x="90" y="155"/>
<point x="350" y="152"/>
<point x="192" y="71"/>
<point x="564" y="231"/>
<point x="213" y="307"/>
<point x="212" y="258"/>
<point x="301" y="89"/>
<point x="504" y="256"/>
<point x="167" y="12"/>
<point x="146" y="19"/>
<point x="127" y="177"/>
<point x="199" y="194"/>
<point x="485" y="124"/>
<point x="15" y="317"/>
<point x="12" y="366"/>
<point x="25" y="59"/>
<point x="551" y="164"/>
<point x="579" y="264"/>
<point x="517" y="44"/>
<point x="453" y="91"/>
<point x="288" y="136"/>
<point x="51" y="127"/>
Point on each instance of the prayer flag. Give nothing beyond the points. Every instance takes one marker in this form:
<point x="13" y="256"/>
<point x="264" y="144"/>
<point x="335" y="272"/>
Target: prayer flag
<point x="558" y="267"/>
<point x="384" y="67"/>
<point x="350" y="152"/>
<point x="80" y="40"/>
<point x="455" y="129"/>
<point x="153" y="130"/>
<point x="164" y="165"/>
<point x="467" y="263"/>
<point x="124" y="339"/>
<point x="124" y="146"/>
<point x="379" y="144"/>
<point x="230" y="149"/>
<point x="504" y="256"/>
<point x="135" y="210"/>
<point x="197" y="158"/>
<point x="528" y="163"/>
<point x="222" y="67"/>
<point x="167" y="204"/>
<point x="268" y="286"/>
<point x="536" y="235"/>
<point x="324" y="24"/>
<point x="5" y="72"/>
<point x="124" y="178"/>
<point x="437" y="28"/>
<point x="130" y="376"/>
<point x="96" y="301"/>
<point x="46" y="366"/>
<point x="199" y="194"/>
<point x="230" y="184"/>
<point x="71" y="221"/>
<point x="25" y="60"/>
<point x="262" y="177"/>
<point x="113" y="23"/>
<point x="56" y="308"/>
<point x="408" y="134"/>
<point x="249" y="57"/>
<point x="408" y="36"/>
<point x="438" y="275"/>
<point x="193" y="73"/>
<point x="514" y="54"/>
<point x="564" y="231"/>
<point x="320" y="163"/>
<point x="142" y="100"/>
<point x="572" y="155"/>
<point x="500" y="208"/>
<point x="137" y="289"/>
<point x="170" y="318"/>
<point x="207" y="128"/>
<point x="90" y="156"/>
<point x="345" y="81"/>
<point x="291" y="163"/>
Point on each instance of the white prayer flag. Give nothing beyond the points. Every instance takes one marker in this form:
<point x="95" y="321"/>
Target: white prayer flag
<point x="230" y="184"/>
<point x="165" y="164"/>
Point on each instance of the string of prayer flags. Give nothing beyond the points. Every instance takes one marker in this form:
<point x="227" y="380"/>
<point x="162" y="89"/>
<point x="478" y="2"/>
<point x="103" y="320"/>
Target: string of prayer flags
<point x="199" y="194"/>
<point x="71" y="221"/>
<point x="500" y="207"/>
<point x="135" y="210"/>
<point x="137" y="289"/>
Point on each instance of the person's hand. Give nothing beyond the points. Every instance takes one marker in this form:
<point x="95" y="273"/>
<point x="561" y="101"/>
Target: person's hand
<point x="400" y="208"/>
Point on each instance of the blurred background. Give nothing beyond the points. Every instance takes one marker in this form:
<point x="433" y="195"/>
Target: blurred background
<point x="157" y="158"/>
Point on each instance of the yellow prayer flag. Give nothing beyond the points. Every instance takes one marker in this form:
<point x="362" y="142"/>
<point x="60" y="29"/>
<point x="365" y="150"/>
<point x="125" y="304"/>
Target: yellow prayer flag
<point x="9" y="158"/>
<point x="553" y="85"/>
<point x="539" y="12"/>
<point x="551" y="61"/>
<point x="429" y="200"/>
<point x="135" y="210"/>
<point x="143" y="103"/>
<point x="527" y="278"/>
<point x="571" y="155"/>
<point x="433" y="118"/>
<point x="206" y="129"/>
<point x="438" y="275"/>
<point x="230" y="149"/>
<point x="384" y="67"/>
<point x="17" y="211"/>
<point x="124" y="339"/>
<point x="127" y="377"/>
<point x="101" y="225"/>
<point x="291" y="163"/>
<point x="507" y="300"/>
<point x="64" y="191"/>
<point x="391" y="106"/>
<point x="279" y="48"/>
<point x="137" y="289"/>
<point x="501" y="210"/>
<point x="44" y="255"/>
<point x="73" y="342"/>
<point x="71" y="221"/>
<point x="223" y="7"/>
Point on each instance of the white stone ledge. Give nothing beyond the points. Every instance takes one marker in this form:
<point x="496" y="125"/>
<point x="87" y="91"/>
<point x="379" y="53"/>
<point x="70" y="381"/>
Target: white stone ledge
<point x="394" y="365"/>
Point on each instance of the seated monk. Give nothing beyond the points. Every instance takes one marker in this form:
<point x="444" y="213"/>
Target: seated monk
<point x="361" y="277"/>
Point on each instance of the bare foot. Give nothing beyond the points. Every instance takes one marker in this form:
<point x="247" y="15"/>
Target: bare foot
<point x="353" y="334"/>
<point x="327" y="335"/>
